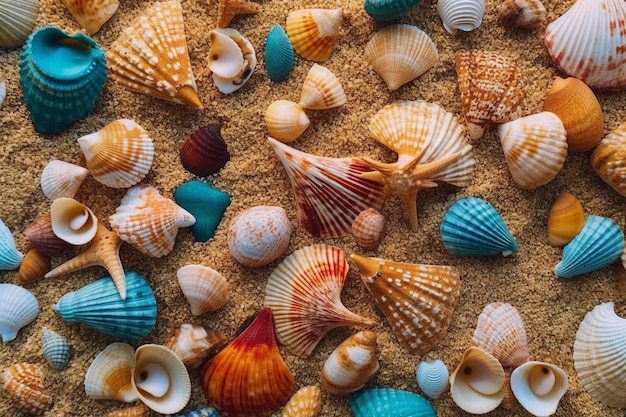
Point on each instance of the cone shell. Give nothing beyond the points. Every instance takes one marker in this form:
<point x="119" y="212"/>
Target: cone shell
<point x="55" y="348"/>
<point x="491" y="89"/>
<point x="73" y="221"/>
<point x="388" y="402"/>
<point x="227" y="9"/>
<point x="389" y="9"/>
<point x="321" y="90"/>
<point x="17" y="21"/>
<point x="587" y="42"/>
<point x="279" y="54"/>
<point x="193" y="343"/>
<point x="39" y="233"/>
<point x="23" y="383"/>
<point x="599" y="355"/>
<point x="565" y="219"/>
<point x="351" y="364"/>
<point x="109" y="375"/>
<point x="204" y="152"/>
<point x="286" y="120"/>
<point x="400" y="53"/>
<point x="432" y="377"/>
<point x="249" y="377"/>
<point x="151" y="56"/>
<point x="465" y="15"/>
<point x="522" y="13"/>
<point x="313" y="32"/>
<point x="539" y="386"/>
<point x="10" y="257"/>
<point x="304" y="292"/>
<point x="18" y="307"/>
<point x="134" y="411"/>
<point x="62" y="179"/>
<point x="231" y="59"/>
<point x="306" y="402"/>
<point x="205" y="288"/>
<point x="367" y="228"/>
<point x="33" y="267"/>
<point x="609" y="159"/>
<point x="92" y="14"/>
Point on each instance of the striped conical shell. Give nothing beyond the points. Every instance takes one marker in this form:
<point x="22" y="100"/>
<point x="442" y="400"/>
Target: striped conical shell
<point x="55" y="348"/>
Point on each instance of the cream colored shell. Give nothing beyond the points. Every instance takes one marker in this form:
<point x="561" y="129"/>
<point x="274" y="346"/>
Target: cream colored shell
<point x="72" y="221"/>
<point x="62" y="179"/>
<point x="205" y="288"/>
<point x="321" y="89"/>
<point x="286" y="120"/>
<point x="92" y="14"/>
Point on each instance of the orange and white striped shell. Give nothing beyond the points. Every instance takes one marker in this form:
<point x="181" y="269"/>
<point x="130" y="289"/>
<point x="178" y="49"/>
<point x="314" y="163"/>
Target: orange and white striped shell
<point x="62" y="179"/>
<point x="286" y="120"/>
<point x="306" y="402"/>
<point x="367" y="228"/>
<point x="204" y="288"/>
<point x="92" y="14"/>
<point x="193" y="343"/>
<point x="321" y="90"/>
<point x="609" y="159"/>
<point x="313" y="32"/>
<point x="23" y="383"/>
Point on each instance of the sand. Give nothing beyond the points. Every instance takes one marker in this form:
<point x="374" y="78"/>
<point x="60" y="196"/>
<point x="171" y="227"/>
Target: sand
<point x="551" y="307"/>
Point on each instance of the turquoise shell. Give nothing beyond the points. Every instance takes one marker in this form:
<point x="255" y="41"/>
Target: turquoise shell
<point x="387" y="402"/>
<point x="201" y="412"/>
<point x="599" y="244"/>
<point x="61" y="76"/>
<point x="206" y="204"/>
<point x="10" y="257"/>
<point x="279" y="55"/>
<point x="99" y="306"/>
<point x="472" y="227"/>
<point x="55" y="348"/>
<point x="389" y="9"/>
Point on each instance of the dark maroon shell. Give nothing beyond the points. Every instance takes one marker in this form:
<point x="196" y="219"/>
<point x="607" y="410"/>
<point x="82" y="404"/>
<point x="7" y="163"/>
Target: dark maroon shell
<point x="39" y="233"/>
<point x="204" y="152"/>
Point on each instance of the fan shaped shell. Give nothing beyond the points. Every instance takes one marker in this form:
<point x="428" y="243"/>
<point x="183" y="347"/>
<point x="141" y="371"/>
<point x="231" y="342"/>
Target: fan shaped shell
<point x="40" y="234"/>
<point x="204" y="287"/>
<point x="321" y="89"/>
<point x="62" y="179"/>
<point x="92" y="14"/>
<point x="389" y="9"/>
<point x="17" y="20"/>
<point x="279" y="54"/>
<point x="367" y="228"/>
<point x="388" y="402"/>
<point x="204" y="152"/>
<point x="609" y="159"/>
<point x="465" y="15"/>
<point x="286" y="120"/>
<point x="110" y="374"/>
<point x="432" y="377"/>
<point x="306" y="402"/>
<point x="313" y="32"/>
<point x="23" y="383"/>
<point x="10" y="257"/>
<point x="55" y="348"/>
<point x="18" y="307"/>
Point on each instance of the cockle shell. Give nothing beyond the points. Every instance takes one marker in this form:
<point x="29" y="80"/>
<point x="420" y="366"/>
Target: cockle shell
<point x="609" y="159"/>
<point x="539" y="386"/>
<point x="565" y="219"/>
<point x="23" y="383"/>
<point x="321" y="90"/>
<point x="134" y="411"/>
<point x="110" y="373"/>
<point x="72" y="221"/>
<point x="206" y="204"/>
<point x="286" y="120"/>
<point x="351" y="364"/>
<point x="204" y="152"/>
<point x="587" y="42"/>
<point x="204" y="287"/>
<point x="304" y="292"/>
<point x="260" y="383"/>
<point x="18" y="307"/>
<point x="55" y="348"/>
<point x="465" y="15"/>
<point x="400" y="53"/>
<point x="33" y="267"/>
<point x="389" y="9"/>
<point x="10" y="257"/>
<point x="17" y="21"/>
<point x="62" y="179"/>
<point x="92" y="14"/>
<point x="39" y="233"/>
<point x="231" y="59"/>
<point x="119" y="155"/>
<point x="306" y="402"/>
<point x="535" y="148"/>
<point x="599" y="355"/>
<point x="279" y="54"/>
<point x="193" y="343"/>
<point x="522" y="13"/>
<point x="367" y="228"/>
<point x="151" y="56"/>
<point x="491" y="89"/>
<point x="388" y="402"/>
<point x="432" y="377"/>
<point x="313" y="32"/>
<point x="227" y="9"/>
<point x="417" y="300"/>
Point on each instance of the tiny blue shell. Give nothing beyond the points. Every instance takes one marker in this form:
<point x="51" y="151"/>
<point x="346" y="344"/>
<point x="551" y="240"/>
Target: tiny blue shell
<point x="389" y="9"/>
<point x="279" y="55"/>
<point x="201" y="412"/>
<point x="432" y="377"/>
<point x="206" y="204"/>
<point x="599" y="244"/>
<point x="10" y="257"/>
<point x="387" y="402"/>
<point x="55" y="348"/>
<point x="472" y="227"/>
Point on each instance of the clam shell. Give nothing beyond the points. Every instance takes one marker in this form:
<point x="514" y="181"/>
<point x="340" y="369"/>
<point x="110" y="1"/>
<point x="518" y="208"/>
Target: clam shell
<point x="535" y="148"/>
<point x="599" y="355"/>
<point x="33" y="267"/>
<point x="193" y="343"/>
<point x="10" y="257"/>
<point x="417" y="300"/>
<point x="388" y="402"/>
<point x="313" y="32"/>
<point x="62" y="179"/>
<point x="321" y="90"/>
<point x="151" y="56"/>
<point x="587" y="42"/>
<point x="539" y="386"/>
<point x="304" y="292"/>
<point x="18" y="307"/>
<point x="367" y="228"/>
<point x="432" y="377"/>
<point x="119" y="155"/>
<point x="228" y="9"/>
<point x="239" y="57"/>
<point x="286" y="120"/>
<point x="609" y="159"/>
<point x="109" y="377"/>
<point x="55" y="348"/>
<point x="522" y="13"/>
<point x="400" y="53"/>
<point x="92" y="14"/>
<point x="565" y="219"/>
<point x="205" y="288"/>
<point x="204" y="152"/>
<point x="23" y="383"/>
<point x="389" y="9"/>
<point x="465" y="15"/>
<point x="39" y="233"/>
<point x="16" y="22"/>
<point x="279" y="54"/>
<point x="306" y="402"/>
<point x="72" y="221"/>
<point x="139" y="410"/>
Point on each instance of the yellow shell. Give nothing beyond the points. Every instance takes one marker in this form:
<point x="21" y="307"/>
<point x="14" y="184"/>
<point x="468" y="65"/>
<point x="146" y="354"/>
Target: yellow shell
<point x="609" y="159"/>
<point x="23" y="384"/>
<point x="286" y="120"/>
<point x="321" y="90"/>
<point x="565" y="220"/>
<point x="92" y="14"/>
<point x="313" y="32"/>
<point x="306" y="402"/>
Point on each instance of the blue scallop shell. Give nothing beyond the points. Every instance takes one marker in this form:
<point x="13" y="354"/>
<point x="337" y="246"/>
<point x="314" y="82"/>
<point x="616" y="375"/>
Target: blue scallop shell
<point x="55" y="348"/>
<point x="61" y="76"/>
<point x="99" y="306"/>
<point x="472" y="227"/>
<point x="10" y="257"/>
<point x="201" y="412"/>
<point x="389" y="9"/>
<point x="599" y="244"/>
<point x="279" y="55"/>
<point x="206" y="204"/>
<point x="387" y="402"/>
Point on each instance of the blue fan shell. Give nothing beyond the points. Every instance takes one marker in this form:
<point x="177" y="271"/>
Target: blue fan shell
<point x="279" y="54"/>
<point x="388" y="402"/>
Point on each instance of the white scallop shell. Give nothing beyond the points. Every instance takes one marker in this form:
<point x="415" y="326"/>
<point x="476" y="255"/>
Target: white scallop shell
<point x="465" y="15"/>
<point x="432" y="377"/>
<point x="55" y="348"/>
<point x="10" y="257"/>
<point x="73" y="221"/>
<point x="18" y="307"/>
<point x="539" y="386"/>
<point x="62" y="179"/>
<point x="204" y="287"/>
<point x="231" y="59"/>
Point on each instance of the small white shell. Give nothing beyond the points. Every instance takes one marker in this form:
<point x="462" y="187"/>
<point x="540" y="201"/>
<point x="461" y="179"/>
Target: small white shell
<point x="10" y="257"/>
<point x="539" y="386"/>
<point x="55" y="348"/>
<point x="62" y="179"/>
<point x="225" y="56"/>
<point x="73" y="221"/>
<point x="204" y="287"/>
<point x="432" y="377"/>
<point x="3" y="92"/>
<point x="465" y="15"/>
<point x="18" y="307"/>
<point x="231" y="81"/>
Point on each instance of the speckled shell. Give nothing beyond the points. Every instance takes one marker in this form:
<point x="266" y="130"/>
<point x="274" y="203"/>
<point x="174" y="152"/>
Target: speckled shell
<point x="286" y="120"/>
<point x="55" y="348"/>
<point x="204" y="152"/>
<point x="228" y="9"/>
<point x="367" y="228"/>
<point x="565" y="219"/>
<point x="23" y="383"/>
<point x="432" y="377"/>
<point x="231" y="59"/>
<point x="465" y="15"/>
<point x="539" y="386"/>
<point x="522" y="13"/>
<point x="110" y="373"/>
<point x="321" y="90"/>
<point x="389" y="9"/>
<point x="33" y="267"/>
<point x="388" y="402"/>
<point x="313" y="32"/>
<point x="92" y="14"/>
<point x="193" y="343"/>
<point x="279" y="54"/>
<point x="204" y="288"/>
<point x="18" y="307"/>
<point x="72" y="221"/>
<point x="39" y="233"/>
<point x="306" y="402"/>
<point x="62" y="179"/>
<point x="17" y="21"/>
<point x="10" y="257"/>
<point x="609" y="159"/>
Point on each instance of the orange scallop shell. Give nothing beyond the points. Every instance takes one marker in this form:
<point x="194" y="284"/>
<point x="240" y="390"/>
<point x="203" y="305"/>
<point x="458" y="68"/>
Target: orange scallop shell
<point x="313" y="32"/>
<point x="24" y="385"/>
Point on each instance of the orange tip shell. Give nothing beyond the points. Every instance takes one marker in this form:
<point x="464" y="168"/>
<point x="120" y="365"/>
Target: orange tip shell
<point x="565" y="219"/>
<point x="313" y="32"/>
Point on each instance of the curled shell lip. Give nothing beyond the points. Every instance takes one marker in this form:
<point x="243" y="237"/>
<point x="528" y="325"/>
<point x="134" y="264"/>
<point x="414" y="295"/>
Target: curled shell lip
<point x="225" y="56"/>
<point x="73" y="221"/>
<point x="539" y="386"/>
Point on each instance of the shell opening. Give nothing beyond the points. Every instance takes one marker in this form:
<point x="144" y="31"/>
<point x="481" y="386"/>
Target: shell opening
<point x="541" y="380"/>
<point x="153" y="379"/>
<point x="480" y="378"/>
<point x="78" y="221"/>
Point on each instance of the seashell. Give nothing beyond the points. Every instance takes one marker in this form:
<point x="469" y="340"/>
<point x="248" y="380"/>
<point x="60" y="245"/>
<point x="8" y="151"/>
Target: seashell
<point x="565" y="219"/>
<point x="62" y="179"/>
<point x="92" y="14"/>
<point x="206" y="204"/>
<point x="579" y="110"/>
<point x="389" y="9"/>
<point x="227" y="9"/>
<point x="109" y="377"/>
<point x="367" y="228"/>
<point x="476" y="383"/>
<point x="204" y="152"/>
<point x="535" y="148"/>
<point x="151" y="56"/>
<point x="279" y="54"/>
<point x="286" y="120"/>
<point x="119" y="155"/>
<point x="55" y="348"/>
<point x="205" y="288"/>
<point x="415" y="130"/>
<point x="34" y="267"/>
<point x="201" y="412"/>
<point x="18" y="307"/>
<point x="400" y="53"/>
<point x="500" y="332"/>
<point x="491" y="89"/>
<point x="599" y="355"/>
<point x="508" y="402"/>
<point x="61" y="76"/>
<point x="539" y="386"/>
<point x="260" y="384"/>
<point x="313" y="32"/>
<point x="587" y="42"/>
<point x="321" y="90"/>
<point x="259" y="235"/>
<point x="100" y="307"/>
<point x="193" y="344"/>
<point x="329" y="191"/>
<point x="599" y="244"/>
<point x="39" y="233"/>
<point x="10" y="257"/>
<point x="142" y="206"/>
<point x="465" y="15"/>
<point x="306" y="402"/>
<point x="432" y="377"/>
<point x="73" y="221"/>
<point x="472" y="227"/>
<point x="351" y="364"/>
<point x="417" y="300"/>
<point x="3" y="92"/>
<point x="522" y="13"/>
<point x="609" y="159"/>
<point x="388" y="402"/>
<point x="231" y="59"/>
<point x="23" y="383"/>
<point x="139" y="410"/>
<point x="16" y="22"/>
<point x="304" y="292"/>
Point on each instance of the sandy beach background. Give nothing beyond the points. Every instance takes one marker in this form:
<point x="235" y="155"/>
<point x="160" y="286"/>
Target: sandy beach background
<point x="551" y="307"/>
